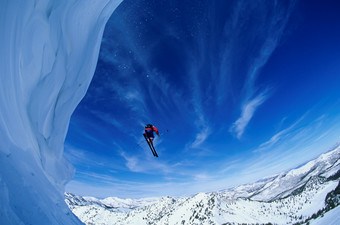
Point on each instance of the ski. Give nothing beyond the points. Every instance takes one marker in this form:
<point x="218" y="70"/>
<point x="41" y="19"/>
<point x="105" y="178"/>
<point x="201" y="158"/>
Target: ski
<point x="154" y="150"/>
<point x="154" y="154"/>
<point x="151" y="146"/>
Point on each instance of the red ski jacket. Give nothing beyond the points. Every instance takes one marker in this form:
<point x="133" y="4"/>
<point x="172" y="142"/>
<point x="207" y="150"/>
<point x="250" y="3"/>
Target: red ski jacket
<point x="153" y="128"/>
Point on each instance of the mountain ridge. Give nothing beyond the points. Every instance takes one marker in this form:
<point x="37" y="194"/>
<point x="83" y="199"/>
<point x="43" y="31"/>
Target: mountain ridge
<point x="289" y="197"/>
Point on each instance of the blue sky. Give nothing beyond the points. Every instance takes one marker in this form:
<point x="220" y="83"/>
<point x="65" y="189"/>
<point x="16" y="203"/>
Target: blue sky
<point x="239" y="90"/>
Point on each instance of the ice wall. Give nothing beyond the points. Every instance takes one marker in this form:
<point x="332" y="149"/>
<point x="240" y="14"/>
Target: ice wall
<point x="49" y="51"/>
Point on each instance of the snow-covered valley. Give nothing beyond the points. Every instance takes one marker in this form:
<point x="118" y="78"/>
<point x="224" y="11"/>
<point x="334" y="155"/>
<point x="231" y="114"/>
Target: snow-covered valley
<point x="288" y="198"/>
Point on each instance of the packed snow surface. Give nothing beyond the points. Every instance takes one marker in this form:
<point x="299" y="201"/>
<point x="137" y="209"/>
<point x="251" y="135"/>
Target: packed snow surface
<point x="49" y="50"/>
<point x="287" y="198"/>
<point x="330" y="218"/>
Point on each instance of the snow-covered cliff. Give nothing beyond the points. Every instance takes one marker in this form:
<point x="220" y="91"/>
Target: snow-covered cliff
<point x="49" y="51"/>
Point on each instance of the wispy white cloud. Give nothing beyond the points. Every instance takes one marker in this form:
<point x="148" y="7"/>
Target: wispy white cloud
<point x="130" y="189"/>
<point x="248" y="110"/>
<point x="201" y="123"/>
<point x="132" y="163"/>
<point x="89" y="160"/>
<point x="270" y="34"/>
<point x="280" y="135"/>
<point x="93" y="177"/>
<point x="201" y="136"/>
<point x="145" y="163"/>
<point x="106" y="117"/>
<point x="204" y="177"/>
<point x="131" y="95"/>
<point x="288" y="147"/>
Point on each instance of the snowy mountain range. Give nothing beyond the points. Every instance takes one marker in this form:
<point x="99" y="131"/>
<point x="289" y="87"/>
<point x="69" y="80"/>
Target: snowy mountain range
<point x="294" y="197"/>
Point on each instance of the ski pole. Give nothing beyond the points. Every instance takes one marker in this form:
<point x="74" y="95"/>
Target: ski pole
<point x="163" y="133"/>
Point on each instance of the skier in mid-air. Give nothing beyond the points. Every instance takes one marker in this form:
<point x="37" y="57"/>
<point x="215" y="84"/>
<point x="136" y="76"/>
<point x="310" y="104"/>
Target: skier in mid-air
<point x="149" y="129"/>
<point x="148" y="134"/>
